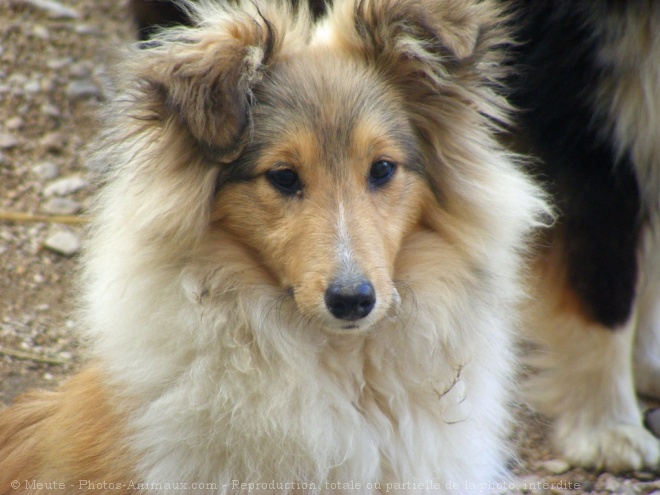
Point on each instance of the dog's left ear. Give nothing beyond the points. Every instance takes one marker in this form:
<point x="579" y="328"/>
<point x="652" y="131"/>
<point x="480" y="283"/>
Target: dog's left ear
<point x="446" y="59"/>
<point x="438" y="36"/>
<point x="406" y="26"/>
<point x="202" y="78"/>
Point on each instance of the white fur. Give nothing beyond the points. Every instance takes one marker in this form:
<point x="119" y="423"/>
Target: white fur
<point x="344" y="247"/>
<point x="230" y="391"/>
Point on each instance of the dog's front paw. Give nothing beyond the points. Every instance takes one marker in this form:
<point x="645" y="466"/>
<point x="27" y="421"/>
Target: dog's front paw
<point x="615" y="448"/>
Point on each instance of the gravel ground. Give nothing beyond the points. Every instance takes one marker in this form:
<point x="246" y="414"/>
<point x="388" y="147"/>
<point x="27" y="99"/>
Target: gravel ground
<point x="52" y="64"/>
<point x="53" y="59"/>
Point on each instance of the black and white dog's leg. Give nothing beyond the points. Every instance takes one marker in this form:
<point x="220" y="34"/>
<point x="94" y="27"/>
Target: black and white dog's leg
<point x="583" y="380"/>
<point x="647" y="342"/>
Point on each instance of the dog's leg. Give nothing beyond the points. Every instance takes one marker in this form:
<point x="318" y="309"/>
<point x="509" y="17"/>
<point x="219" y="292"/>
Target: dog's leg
<point x="647" y="344"/>
<point x="585" y="383"/>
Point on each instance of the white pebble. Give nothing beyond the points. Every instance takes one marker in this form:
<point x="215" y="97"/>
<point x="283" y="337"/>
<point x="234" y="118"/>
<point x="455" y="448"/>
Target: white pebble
<point x="8" y="141"/>
<point x="556" y="466"/>
<point x="78" y="90"/>
<point x="33" y="86"/>
<point x="14" y="123"/>
<point x="46" y="170"/>
<point x="53" y="141"/>
<point x="63" y="242"/>
<point x="66" y="186"/>
<point x="53" y="9"/>
<point x="62" y="206"/>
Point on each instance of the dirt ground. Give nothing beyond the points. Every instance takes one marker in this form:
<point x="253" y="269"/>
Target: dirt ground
<point x="53" y="65"/>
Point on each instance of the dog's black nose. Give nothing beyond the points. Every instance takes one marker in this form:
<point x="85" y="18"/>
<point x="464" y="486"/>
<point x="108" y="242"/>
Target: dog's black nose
<point x="350" y="301"/>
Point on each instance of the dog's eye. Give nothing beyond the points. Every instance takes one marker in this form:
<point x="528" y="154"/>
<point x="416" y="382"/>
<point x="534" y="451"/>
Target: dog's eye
<point x="381" y="172"/>
<point x="285" y="180"/>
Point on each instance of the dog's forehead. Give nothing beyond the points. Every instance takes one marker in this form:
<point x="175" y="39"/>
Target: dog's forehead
<point x="327" y="97"/>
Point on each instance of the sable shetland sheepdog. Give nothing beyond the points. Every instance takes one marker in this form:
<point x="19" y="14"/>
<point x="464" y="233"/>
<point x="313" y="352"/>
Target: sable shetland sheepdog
<point x="304" y="264"/>
<point x="587" y="83"/>
<point x="589" y="93"/>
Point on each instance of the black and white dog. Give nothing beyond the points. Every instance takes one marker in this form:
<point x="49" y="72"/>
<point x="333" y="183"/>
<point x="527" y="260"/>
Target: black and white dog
<point x="589" y="94"/>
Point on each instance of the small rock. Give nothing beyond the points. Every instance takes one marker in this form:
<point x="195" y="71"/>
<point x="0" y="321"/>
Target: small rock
<point x="8" y="141"/>
<point x="66" y="355"/>
<point x="79" y="71"/>
<point x="39" y="31"/>
<point x="63" y="242"/>
<point x="78" y="90"/>
<point x="51" y="110"/>
<point x="556" y="466"/>
<point x="62" y="206"/>
<point x="47" y="84"/>
<point x="53" y="141"/>
<point x="32" y="86"/>
<point x="14" y="123"/>
<point x="650" y="486"/>
<point x="66" y="186"/>
<point x="59" y="63"/>
<point x="645" y="476"/>
<point x="46" y="170"/>
<point x="612" y="484"/>
<point x="53" y="9"/>
<point x="86" y="29"/>
<point x="17" y="79"/>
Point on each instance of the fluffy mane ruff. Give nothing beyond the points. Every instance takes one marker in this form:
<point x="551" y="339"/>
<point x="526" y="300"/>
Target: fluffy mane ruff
<point x="220" y="379"/>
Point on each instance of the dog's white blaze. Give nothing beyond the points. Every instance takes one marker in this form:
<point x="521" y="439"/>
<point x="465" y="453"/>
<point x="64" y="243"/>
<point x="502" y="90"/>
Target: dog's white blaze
<point x="344" y="246"/>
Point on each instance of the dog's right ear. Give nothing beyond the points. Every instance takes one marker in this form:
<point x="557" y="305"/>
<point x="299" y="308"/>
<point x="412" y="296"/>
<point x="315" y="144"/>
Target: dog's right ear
<point x="202" y="77"/>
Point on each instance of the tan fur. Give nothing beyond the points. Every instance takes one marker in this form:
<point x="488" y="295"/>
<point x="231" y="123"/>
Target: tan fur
<point x="550" y="280"/>
<point x="70" y="437"/>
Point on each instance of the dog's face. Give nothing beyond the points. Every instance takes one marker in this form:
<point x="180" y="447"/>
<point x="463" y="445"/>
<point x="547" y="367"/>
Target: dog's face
<point x="329" y="185"/>
<point x="315" y="152"/>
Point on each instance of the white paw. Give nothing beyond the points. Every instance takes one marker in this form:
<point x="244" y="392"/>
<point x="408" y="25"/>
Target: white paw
<point x="615" y="448"/>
